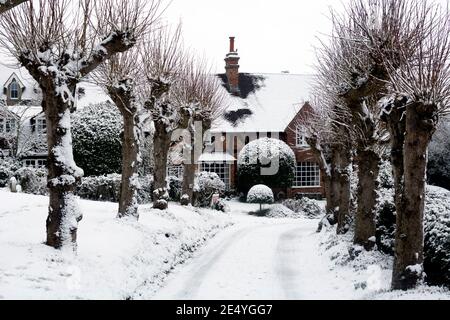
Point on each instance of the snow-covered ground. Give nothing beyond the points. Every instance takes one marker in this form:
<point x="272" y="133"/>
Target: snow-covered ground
<point x="115" y="258"/>
<point x="162" y="257"/>
<point x="260" y="258"/>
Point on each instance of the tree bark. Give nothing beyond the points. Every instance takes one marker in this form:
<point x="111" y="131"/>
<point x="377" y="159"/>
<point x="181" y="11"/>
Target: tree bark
<point x="368" y="163"/>
<point x="63" y="174"/>
<point x="343" y="172"/>
<point x="421" y="123"/>
<point x="161" y="144"/>
<point x="124" y="100"/>
<point x="128" y="205"/>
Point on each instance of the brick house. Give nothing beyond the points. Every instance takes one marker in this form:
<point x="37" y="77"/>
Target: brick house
<point x="262" y="105"/>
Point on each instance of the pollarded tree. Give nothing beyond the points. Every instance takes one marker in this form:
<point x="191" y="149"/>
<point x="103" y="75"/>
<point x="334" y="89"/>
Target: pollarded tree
<point x="163" y="59"/>
<point x="325" y="137"/>
<point x="119" y="76"/>
<point x="367" y="38"/>
<point x="201" y="92"/>
<point x="424" y="82"/>
<point x="60" y="42"/>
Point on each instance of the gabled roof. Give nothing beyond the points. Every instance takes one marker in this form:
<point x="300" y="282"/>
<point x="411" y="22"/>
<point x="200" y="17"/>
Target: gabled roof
<point x="11" y="78"/>
<point x="267" y="103"/>
<point x="8" y="72"/>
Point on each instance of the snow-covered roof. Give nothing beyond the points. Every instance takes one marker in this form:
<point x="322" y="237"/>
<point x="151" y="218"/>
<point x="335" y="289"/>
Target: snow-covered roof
<point x="23" y="112"/>
<point x="217" y="157"/>
<point x="7" y="72"/>
<point x="268" y="102"/>
<point x="93" y="95"/>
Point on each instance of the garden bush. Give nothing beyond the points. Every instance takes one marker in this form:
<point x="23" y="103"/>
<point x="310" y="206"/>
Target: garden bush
<point x="206" y="185"/>
<point x="261" y="155"/>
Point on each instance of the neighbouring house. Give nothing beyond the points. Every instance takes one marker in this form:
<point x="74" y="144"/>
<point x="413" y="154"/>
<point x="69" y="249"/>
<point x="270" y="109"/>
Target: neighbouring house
<point x="262" y="105"/>
<point x="23" y="125"/>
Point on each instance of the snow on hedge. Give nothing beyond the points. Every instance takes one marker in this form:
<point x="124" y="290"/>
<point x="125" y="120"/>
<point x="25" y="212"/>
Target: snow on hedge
<point x="260" y="194"/>
<point x="116" y="259"/>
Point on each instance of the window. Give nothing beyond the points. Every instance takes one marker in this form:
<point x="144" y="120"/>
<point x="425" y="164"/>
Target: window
<point x="175" y="171"/>
<point x="14" y="90"/>
<point x="221" y="169"/>
<point x="7" y="125"/>
<point x="307" y="175"/>
<point x="301" y="137"/>
<point x="35" y="163"/>
<point x="41" y="125"/>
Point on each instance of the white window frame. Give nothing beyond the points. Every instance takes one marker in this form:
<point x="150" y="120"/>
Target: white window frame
<point x="16" y="89"/>
<point x="8" y="125"/>
<point x="222" y="169"/>
<point x="41" y="126"/>
<point x="307" y="175"/>
<point x="300" y="137"/>
<point x="35" y="163"/>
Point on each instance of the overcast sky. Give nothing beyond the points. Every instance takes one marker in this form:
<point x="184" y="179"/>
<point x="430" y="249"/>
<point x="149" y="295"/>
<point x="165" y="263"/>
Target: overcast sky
<point x="271" y="36"/>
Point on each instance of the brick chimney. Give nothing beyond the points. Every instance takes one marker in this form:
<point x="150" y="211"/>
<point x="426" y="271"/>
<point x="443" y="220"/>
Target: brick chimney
<point x="232" y="68"/>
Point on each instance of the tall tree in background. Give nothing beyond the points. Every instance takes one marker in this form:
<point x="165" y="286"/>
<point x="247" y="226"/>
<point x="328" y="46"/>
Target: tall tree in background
<point x="423" y="80"/>
<point x="60" y="42"/>
<point x="366" y="38"/>
<point x="120" y="77"/>
<point x="200" y="91"/>
<point x="163" y="60"/>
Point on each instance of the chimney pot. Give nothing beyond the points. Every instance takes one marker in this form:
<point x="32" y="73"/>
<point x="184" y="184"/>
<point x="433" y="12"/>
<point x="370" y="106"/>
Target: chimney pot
<point x="232" y="44"/>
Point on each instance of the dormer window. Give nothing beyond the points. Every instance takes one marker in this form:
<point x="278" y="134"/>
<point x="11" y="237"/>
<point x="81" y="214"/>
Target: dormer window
<point x="301" y="137"/>
<point x="14" y="90"/>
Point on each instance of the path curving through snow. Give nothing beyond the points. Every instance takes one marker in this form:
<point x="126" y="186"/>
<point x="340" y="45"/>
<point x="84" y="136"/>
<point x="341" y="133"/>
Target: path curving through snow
<point x="257" y="259"/>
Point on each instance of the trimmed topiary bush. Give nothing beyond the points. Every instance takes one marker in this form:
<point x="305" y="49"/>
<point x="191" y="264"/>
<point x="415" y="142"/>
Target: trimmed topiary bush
<point x="266" y="161"/>
<point x="97" y="142"/>
<point x="260" y="194"/>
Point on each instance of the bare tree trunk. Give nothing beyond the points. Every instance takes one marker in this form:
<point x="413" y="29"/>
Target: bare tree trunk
<point x="161" y="145"/>
<point x="63" y="175"/>
<point x="343" y="172"/>
<point x="128" y="206"/>
<point x="368" y="163"/>
<point x="408" y="264"/>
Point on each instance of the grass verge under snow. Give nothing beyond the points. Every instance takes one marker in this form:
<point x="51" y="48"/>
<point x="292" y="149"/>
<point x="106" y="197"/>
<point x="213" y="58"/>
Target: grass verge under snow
<point x="116" y="259"/>
<point x="367" y="273"/>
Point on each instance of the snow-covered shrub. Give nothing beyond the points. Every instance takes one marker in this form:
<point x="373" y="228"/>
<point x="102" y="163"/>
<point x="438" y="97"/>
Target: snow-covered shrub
<point x="437" y="237"/>
<point x="100" y="188"/>
<point x="32" y="181"/>
<point x="107" y="188"/>
<point x="309" y="208"/>
<point x="260" y="194"/>
<point x="439" y="157"/>
<point x="161" y="199"/>
<point x="221" y="205"/>
<point x="145" y="190"/>
<point x="270" y="162"/>
<point x="206" y="185"/>
<point x="386" y="219"/>
<point x="279" y="211"/>
<point x="175" y="188"/>
<point x="5" y="175"/>
<point x="7" y="168"/>
<point x="436" y="226"/>
<point x="97" y="142"/>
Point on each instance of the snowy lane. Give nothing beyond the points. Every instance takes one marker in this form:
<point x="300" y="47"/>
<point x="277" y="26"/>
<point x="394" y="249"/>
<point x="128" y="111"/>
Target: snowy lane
<point x="248" y="262"/>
